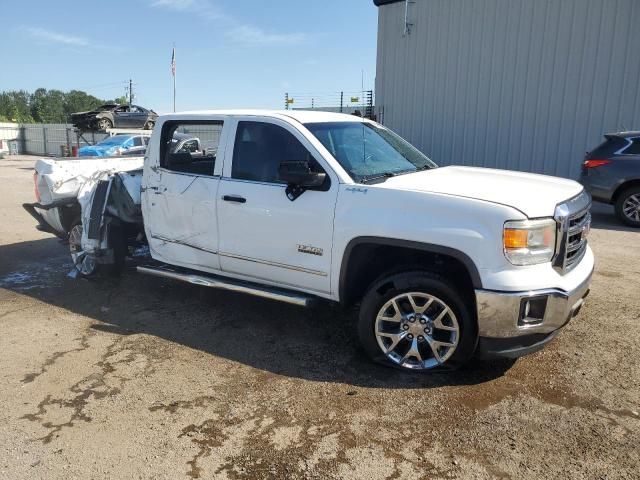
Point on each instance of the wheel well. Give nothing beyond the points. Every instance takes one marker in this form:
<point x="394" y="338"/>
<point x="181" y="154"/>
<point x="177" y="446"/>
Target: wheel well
<point x="623" y="187"/>
<point x="69" y="214"/>
<point x="367" y="262"/>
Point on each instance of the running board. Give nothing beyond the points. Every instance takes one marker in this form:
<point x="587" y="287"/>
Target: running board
<point x="228" y="284"/>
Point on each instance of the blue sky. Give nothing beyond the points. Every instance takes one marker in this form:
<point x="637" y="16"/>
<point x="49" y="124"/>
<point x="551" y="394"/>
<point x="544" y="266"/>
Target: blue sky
<point x="230" y="53"/>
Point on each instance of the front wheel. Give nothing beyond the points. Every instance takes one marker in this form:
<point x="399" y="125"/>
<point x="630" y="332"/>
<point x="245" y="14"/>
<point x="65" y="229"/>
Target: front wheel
<point x="416" y="321"/>
<point x="628" y="207"/>
<point x="104" y="124"/>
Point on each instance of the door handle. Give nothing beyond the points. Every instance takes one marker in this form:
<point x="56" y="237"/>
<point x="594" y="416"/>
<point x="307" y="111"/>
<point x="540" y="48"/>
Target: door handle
<point x="234" y="198"/>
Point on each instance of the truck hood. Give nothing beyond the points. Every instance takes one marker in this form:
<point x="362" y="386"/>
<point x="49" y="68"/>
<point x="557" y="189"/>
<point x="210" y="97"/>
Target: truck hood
<point x="534" y="195"/>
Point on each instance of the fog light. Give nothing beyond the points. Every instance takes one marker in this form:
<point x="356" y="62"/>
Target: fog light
<point x="532" y="310"/>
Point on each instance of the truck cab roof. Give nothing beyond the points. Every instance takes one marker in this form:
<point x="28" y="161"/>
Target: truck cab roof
<point x="302" y="116"/>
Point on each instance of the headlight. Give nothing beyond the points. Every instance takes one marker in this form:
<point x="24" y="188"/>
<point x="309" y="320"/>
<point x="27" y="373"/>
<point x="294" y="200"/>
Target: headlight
<point x="529" y="242"/>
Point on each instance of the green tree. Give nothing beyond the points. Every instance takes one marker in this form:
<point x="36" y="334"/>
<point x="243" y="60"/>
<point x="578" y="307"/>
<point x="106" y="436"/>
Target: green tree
<point x="47" y="106"/>
<point x="122" y="100"/>
<point x="79" y="101"/>
<point x="14" y="106"/>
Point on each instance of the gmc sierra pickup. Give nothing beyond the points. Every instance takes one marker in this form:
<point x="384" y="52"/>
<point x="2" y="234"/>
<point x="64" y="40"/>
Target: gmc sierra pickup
<point x="444" y="263"/>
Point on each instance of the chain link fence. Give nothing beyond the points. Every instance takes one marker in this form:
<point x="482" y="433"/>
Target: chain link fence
<point x="359" y="103"/>
<point x="49" y="139"/>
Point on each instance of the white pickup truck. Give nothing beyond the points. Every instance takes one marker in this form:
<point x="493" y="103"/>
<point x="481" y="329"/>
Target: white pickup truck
<point x="444" y="263"/>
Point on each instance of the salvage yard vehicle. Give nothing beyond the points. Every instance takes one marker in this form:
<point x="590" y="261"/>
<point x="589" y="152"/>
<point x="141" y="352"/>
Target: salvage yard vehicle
<point x="57" y="182"/>
<point x="611" y="174"/>
<point x="116" y="145"/>
<point x="113" y="115"/>
<point x="443" y="262"/>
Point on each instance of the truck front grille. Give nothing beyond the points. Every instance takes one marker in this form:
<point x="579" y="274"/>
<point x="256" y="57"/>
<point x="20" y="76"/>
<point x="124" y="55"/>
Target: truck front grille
<point x="574" y="221"/>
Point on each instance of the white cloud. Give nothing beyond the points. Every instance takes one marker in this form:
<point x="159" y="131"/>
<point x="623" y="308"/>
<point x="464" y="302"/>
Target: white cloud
<point x="174" y="4"/>
<point x="201" y="8"/>
<point x="55" y="37"/>
<point x="250" y="35"/>
<point x="235" y="31"/>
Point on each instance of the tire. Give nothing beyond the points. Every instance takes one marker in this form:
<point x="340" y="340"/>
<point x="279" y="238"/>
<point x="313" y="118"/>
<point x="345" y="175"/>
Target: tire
<point x="433" y="329"/>
<point x="628" y="206"/>
<point x="104" y="124"/>
<point x="85" y="264"/>
<point x="149" y="125"/>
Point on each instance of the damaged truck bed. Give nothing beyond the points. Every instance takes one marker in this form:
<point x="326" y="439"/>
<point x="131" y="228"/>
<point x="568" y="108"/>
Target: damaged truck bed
<point x="110" y="221"/>
<point x="57" y="184"/>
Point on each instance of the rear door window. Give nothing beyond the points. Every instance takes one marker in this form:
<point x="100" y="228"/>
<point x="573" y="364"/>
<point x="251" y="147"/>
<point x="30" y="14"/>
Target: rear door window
<point x="202" y="138"/>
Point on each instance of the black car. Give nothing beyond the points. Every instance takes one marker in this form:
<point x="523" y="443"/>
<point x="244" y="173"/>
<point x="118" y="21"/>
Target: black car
<point x="611" y="174"/>
<point x="113" y="115"/>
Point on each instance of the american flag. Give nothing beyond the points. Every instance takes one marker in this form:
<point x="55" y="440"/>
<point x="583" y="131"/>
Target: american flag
<point x="173" y="62"/>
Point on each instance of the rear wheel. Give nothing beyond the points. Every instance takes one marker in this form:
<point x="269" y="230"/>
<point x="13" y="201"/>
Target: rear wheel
<point x="149" y="125"/>
<point x="416" y="321"/>
<point x="628" y="206"/>
<point x="86" y="264"/>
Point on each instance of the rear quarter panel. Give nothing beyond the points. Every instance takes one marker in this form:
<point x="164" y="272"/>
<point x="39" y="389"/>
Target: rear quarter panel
<point x="602" y="182"/>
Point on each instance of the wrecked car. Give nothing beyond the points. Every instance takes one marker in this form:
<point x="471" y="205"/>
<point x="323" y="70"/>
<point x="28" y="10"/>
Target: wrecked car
<point x="113" y="115"/>
<point x="443" y="263"/>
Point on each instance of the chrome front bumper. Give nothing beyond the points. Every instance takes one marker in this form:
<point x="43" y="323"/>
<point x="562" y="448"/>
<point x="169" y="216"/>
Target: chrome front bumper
<point x="500" y="313"/>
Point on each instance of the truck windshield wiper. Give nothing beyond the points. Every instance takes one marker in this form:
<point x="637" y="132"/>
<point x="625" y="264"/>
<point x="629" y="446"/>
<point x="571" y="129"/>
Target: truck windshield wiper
<point x="377" y="176"/>
<point x="385" y="175"/>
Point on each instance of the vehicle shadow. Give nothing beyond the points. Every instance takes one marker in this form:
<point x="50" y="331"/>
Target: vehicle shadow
<point x="603" y="217"/>
<point x="316" y="344"/>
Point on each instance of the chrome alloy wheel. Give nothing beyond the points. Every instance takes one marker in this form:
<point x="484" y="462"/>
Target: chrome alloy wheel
<point x="84" y="263"/>
<point x="417" y="331"/>
<point x="631" y="207"/>
<point x="104" y="124"/>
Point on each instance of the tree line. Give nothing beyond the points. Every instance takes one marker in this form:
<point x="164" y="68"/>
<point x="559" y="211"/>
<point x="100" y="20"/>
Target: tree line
<point x="47" y="106"/>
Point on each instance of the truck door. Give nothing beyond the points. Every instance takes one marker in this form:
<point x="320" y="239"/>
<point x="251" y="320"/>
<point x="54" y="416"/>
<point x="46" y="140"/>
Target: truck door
<point x="263" y="234"/>
<point x="179" y="195"/>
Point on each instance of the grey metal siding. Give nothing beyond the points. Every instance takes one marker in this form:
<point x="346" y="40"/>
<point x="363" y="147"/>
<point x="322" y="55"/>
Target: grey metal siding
<point x="521" y="84"/>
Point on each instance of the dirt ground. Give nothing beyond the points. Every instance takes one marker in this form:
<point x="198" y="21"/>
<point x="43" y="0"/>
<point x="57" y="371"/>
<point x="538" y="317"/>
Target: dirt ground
<point x="145" y="378"/>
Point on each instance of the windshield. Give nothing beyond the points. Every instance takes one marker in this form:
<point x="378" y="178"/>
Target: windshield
<point x="115" y="140"/>
<point x="368" y="151"/>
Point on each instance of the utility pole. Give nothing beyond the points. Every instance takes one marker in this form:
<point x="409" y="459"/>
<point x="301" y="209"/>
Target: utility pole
<point x="286" y="101"/>
<point x="130" y="92"/>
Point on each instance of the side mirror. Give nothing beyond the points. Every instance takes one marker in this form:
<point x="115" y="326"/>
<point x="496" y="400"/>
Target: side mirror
<point x="300" y="174"/>
<point x="299" y="177"/>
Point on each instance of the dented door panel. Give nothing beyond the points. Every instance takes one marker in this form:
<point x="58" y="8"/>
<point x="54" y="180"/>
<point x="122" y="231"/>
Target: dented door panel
<point x="183" y="226"/>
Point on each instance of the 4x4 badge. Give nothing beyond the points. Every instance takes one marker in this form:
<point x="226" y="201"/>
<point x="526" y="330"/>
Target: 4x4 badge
<point x="310" y="249"/>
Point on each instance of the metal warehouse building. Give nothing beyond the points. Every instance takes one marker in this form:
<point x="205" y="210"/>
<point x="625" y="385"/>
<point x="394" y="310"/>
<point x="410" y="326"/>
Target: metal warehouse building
<point x="521" y="84"/>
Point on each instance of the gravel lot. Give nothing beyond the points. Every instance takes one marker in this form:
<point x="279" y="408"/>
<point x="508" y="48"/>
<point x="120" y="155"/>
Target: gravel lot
<point x="144" y="378"/>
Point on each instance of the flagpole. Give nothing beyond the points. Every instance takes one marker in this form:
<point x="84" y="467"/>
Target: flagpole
<point x="174" y="78"/>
